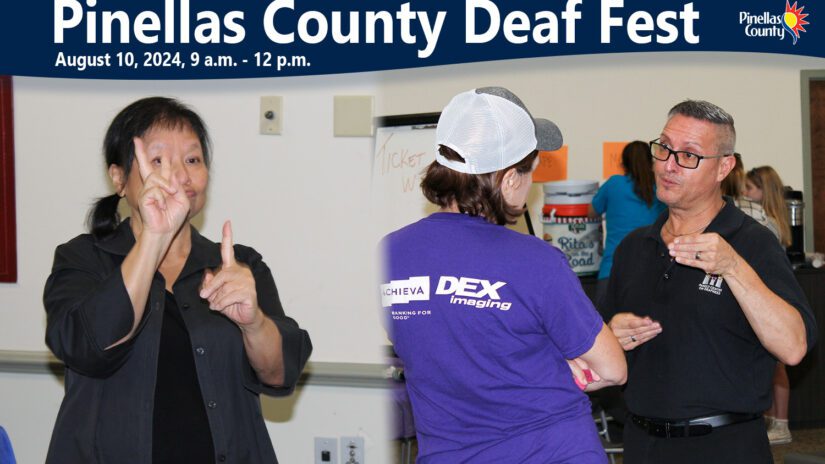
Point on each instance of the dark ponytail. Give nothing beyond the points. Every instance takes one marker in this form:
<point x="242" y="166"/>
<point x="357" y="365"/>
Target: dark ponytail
<point x="103" y="218"/>
<point x="119" y="150"/>
<point x="473" y="194"/>
<point x="638" y="164"/>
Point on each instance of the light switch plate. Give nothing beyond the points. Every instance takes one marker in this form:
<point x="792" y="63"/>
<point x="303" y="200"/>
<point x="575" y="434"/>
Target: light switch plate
<point x="353" y="115"/>
<point x="352" y="450"/>
<point x="326" y="450"/>
<point x="271" y="115"/>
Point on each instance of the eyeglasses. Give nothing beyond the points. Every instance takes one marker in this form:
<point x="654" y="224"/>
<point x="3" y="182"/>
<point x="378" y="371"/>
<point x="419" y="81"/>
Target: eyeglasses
<point x="684" y="159"/>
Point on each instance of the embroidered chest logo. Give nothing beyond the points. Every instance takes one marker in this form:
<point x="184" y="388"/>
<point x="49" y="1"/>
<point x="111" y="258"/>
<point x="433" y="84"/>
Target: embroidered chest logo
<point x="712" y="284"/>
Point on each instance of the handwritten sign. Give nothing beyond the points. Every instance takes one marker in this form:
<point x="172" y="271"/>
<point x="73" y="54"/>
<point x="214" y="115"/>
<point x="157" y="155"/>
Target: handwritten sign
<point x="612" y="159"/>
<point x="552" y="166"/>
<point x="393" y="158"/>
<point x="402" y="154"/>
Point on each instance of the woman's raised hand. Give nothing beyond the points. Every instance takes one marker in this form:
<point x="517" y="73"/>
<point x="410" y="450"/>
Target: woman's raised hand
<point x="163" y="204"/>
<point x="231" y="290"/>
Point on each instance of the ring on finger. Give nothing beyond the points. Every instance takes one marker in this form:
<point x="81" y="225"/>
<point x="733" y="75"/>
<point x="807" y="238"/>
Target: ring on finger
<point x="698" y="256"/>
<point x="633" y="339"/>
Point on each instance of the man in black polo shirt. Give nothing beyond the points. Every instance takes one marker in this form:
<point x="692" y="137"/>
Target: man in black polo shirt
<point x="704" y="301"/>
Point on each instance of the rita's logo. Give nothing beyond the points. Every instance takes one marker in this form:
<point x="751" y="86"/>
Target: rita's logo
<point x="793" y="20"/>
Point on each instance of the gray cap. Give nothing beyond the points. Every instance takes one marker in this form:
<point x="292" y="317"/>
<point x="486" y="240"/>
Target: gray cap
<point x="492" y="130"/>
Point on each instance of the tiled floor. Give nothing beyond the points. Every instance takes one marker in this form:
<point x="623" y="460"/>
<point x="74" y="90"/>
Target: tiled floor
<point x="804" y="441"/>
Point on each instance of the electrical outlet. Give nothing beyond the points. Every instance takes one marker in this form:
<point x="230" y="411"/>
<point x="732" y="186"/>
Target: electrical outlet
<point x="352" y="450"/>
<point x="326" y="450"/>
<point x="271" y="115"/>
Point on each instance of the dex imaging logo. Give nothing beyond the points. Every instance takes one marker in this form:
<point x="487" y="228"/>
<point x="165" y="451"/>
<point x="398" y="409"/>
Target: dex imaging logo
<point x="467" y="291"/>
<point x="712" y="284"/>
<point x="767" y="24"/>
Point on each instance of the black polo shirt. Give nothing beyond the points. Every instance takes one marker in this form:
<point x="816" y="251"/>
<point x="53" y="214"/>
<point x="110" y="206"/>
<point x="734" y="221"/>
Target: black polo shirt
<point x="707" y="360"/>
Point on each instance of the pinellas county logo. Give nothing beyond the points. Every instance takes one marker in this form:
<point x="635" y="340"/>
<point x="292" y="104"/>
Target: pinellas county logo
<point x="793" y="20"/>
<point x="765" y="24"/>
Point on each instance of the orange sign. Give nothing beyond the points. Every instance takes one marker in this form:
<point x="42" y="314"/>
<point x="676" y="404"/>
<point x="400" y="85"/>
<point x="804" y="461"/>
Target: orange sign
<point x="612" y="159"/>
<point x="552" y="166"/>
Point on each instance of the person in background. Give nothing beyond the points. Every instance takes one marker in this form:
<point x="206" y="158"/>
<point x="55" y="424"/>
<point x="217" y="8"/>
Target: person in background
<point x="489" y="322"/>
<point x="168" y="338"/>
<point x="704" y="301"/>
<point x="764" y="186"/>
<point x="628" y="201"/>
<point x="733" y="186"/>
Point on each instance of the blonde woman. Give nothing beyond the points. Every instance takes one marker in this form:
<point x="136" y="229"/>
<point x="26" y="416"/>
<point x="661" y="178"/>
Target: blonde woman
<point x="764" y="185"/>
<point x="734" y="186"/>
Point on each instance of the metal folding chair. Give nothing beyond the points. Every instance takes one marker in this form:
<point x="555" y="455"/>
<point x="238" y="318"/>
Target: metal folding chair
<point x="602" y="425"/>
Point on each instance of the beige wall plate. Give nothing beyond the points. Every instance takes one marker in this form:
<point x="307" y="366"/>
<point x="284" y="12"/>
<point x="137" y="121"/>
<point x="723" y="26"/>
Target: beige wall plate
<point x="271" y="115"/>
<point x="353" y="116"/>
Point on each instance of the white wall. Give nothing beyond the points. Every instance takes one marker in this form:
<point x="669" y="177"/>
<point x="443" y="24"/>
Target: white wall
<point x="301" y="198"/>
<point x="28" y="411"/>
<point x="298" y="198"/>
<point x="625" y="97"/>
<point x="334" y="412"/>
<point x="30" y="403"/>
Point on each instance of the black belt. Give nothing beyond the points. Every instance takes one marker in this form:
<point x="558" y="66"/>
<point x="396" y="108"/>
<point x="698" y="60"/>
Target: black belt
<point x="689" y="427"/>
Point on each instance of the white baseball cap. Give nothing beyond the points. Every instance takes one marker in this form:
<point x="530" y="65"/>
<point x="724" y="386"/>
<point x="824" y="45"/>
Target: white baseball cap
<point x="492" y="130"/>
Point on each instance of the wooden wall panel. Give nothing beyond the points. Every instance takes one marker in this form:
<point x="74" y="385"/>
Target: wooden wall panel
<point x="817" y="105"/>
<point x="8" y="228"/>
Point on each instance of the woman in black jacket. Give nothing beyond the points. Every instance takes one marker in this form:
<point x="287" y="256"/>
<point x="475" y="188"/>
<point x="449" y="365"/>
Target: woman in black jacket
<point x="168" y="338"/>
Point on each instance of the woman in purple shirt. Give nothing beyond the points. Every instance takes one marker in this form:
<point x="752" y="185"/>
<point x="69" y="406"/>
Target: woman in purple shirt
<point x="489" y="321"/>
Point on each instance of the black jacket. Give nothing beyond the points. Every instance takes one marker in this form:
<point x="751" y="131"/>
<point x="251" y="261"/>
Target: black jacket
<point x="107" y="411"/>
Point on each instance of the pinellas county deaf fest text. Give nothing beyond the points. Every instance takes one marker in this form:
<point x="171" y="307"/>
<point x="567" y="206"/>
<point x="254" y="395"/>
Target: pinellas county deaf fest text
<point x="283" y="22"/>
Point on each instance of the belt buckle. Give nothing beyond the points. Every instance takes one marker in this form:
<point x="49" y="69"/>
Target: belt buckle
<point x="702" y="428"/>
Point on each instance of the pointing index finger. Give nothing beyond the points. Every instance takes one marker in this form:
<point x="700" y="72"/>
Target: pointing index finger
<point x="227" y="251"/>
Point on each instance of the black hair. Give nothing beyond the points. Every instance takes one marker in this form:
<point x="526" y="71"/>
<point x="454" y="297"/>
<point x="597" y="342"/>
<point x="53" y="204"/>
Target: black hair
<point x="118" y="147"/>
<point x="638" y="164"/>
<point x="706" y="111"/>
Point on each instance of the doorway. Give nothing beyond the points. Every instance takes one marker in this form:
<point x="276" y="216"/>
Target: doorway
<point x="813" y="144"/>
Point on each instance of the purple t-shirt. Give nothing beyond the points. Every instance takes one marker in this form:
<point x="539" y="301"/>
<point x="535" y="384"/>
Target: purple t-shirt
<point x="484" y="319"/>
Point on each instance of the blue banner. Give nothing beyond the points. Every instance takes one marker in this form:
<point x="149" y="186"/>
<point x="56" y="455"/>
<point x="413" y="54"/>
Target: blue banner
<point x="216" y="39"/>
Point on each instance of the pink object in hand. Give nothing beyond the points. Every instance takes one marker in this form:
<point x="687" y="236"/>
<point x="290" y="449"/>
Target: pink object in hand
<point x="588" y="376"/>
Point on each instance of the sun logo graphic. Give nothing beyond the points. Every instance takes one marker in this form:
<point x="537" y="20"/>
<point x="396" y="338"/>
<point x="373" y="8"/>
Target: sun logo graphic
<point x="793" y="20"/>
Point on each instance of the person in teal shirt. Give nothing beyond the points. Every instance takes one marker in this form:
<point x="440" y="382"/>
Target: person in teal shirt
<point x="628" y="202"/>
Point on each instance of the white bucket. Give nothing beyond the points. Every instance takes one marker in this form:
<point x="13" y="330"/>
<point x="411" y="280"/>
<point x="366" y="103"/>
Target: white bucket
<point x="570" y="192"/>
<point x="580" y="239"/>
<point x="567" y="226"/>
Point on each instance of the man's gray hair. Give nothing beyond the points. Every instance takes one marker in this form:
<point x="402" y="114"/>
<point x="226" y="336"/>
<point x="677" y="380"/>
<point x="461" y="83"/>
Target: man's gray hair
<point x="706" y="111"/>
